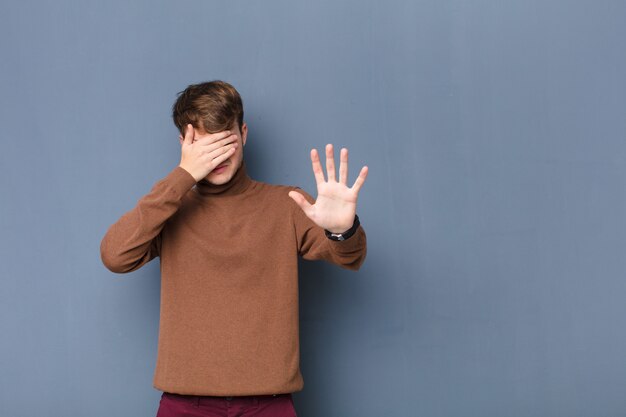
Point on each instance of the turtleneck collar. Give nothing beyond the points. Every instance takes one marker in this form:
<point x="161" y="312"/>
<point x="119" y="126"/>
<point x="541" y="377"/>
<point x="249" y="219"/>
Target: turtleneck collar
<point x="237" y="184"/>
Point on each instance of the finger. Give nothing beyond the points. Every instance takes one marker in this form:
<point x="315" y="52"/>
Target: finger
<point x="330" y="163"/>
<point x="343" y="166"/>
<point x="300" y="201"/>
<point x="224" y="155"/>
<point x="189" y="134"/>
<point x="361" y="179"/>
<point x="210" y="146"/>
<point x="214" y="137"/>
<point x="317" y="167"/>
<point x="222" y="149"/>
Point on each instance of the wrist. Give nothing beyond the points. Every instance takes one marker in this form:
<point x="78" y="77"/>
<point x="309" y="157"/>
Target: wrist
<point x="195" y="177"/>
<point x="339" y="230"/>
<point x="345" y="234"/>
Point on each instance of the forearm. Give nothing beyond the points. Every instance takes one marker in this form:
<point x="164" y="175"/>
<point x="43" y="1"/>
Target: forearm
<point x="134" y="239"/>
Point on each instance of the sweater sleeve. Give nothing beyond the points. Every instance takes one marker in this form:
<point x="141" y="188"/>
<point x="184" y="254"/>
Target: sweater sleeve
<point x="135" y="238"/>
<point x="313" y="243"/>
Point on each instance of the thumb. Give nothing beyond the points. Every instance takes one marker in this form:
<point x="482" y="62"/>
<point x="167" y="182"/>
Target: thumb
<point x="300" y="201"/>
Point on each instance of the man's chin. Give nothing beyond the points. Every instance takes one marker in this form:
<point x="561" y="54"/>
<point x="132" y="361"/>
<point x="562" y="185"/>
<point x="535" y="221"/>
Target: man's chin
<point x="216" y="182"/>
<point x="218" y="179"/>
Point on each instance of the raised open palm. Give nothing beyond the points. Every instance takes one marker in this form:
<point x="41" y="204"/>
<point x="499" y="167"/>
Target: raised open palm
<point x="335" y="206"/>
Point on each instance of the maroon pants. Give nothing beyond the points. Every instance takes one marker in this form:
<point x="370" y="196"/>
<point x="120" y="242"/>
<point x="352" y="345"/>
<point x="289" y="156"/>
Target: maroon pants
<point x="177" y="405"/>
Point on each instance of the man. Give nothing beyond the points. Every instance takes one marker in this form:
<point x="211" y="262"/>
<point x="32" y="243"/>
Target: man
<point x="229" y="331"/>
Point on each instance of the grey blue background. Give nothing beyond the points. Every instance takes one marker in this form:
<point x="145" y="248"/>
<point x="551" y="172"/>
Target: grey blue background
<point x="495" y="206"/>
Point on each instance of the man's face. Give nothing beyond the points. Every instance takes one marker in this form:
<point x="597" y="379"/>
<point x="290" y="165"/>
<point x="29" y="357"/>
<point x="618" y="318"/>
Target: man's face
<point x="232" y="164"/>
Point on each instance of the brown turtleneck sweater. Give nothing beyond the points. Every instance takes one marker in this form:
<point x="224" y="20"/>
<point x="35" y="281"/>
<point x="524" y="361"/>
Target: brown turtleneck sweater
<point x="229" y="279"/>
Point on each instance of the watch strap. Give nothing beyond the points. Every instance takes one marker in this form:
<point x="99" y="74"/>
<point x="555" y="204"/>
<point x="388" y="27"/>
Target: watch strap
<point x="345" y="235"/>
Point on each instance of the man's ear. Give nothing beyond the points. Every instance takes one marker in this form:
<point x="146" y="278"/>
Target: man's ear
<point x="180" y="138"/>
<point x="244" y="133"/>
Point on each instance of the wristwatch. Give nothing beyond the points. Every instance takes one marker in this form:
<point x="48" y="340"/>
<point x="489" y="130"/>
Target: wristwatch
<point x="346" y="234"/>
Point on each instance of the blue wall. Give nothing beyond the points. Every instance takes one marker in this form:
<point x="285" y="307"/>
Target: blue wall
<point x="495" y="134"/>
